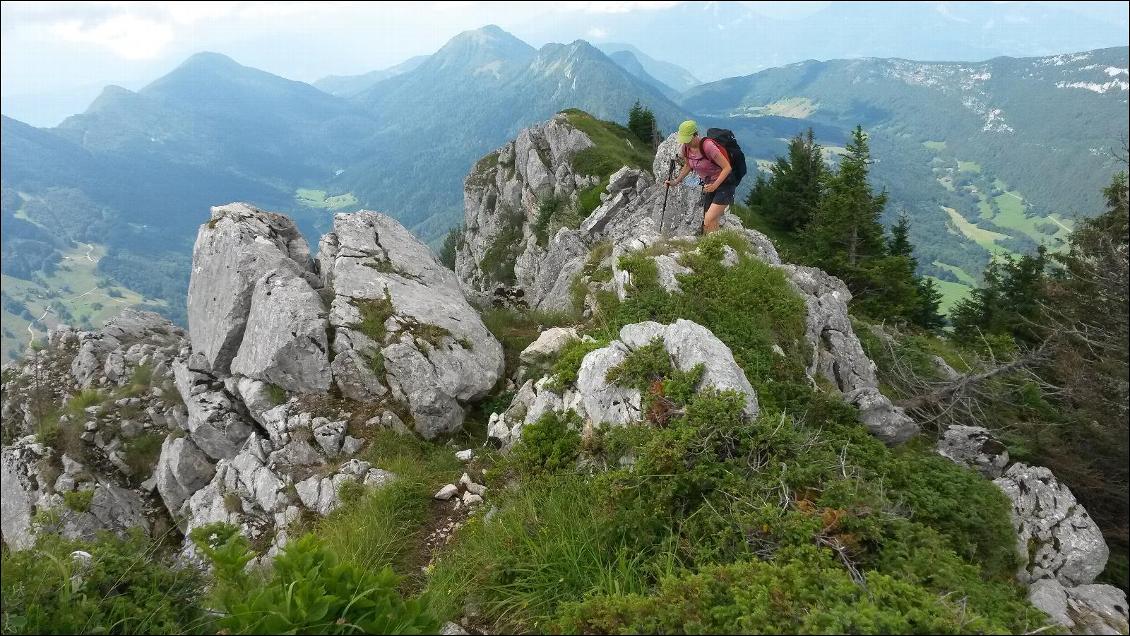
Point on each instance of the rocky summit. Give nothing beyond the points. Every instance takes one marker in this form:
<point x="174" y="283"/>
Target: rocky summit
<point x="272" y="414"/>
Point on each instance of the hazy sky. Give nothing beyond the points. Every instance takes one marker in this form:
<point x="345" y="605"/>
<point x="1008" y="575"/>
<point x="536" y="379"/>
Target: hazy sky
<point x="57" y="54"/>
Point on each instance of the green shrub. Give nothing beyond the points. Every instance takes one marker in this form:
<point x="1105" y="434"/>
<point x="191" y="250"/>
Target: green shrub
<point x="568" y="362"/>
<point x="307" y="592"/>
<point x="78" y="500"/>
<point x="552" y="542"/>
<point x="141" y="453"/>
<point x="810" y="593"/>
<point x="550" y="444"/>
<point x="276" y="394"/>
<point x="749" y="306"/>
<point x="126" y="589"/>
<point x="614" y="147"/>
<point x="79" y="402"/>
<point x="588" y="200"/>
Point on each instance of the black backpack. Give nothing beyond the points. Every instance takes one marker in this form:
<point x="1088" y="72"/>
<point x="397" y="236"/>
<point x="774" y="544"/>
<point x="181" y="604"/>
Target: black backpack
<point x="729" y="144"/>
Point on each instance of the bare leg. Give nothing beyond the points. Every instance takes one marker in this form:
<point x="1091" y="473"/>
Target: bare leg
<point x="712" y="217"/>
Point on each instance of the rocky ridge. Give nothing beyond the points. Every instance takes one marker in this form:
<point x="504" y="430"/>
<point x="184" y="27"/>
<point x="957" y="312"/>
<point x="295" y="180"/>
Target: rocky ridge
<point x="258" y="415"/>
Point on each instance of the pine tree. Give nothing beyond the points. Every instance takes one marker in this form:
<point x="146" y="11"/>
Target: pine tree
<point x="790" y="196"/>
<point x="641" y="121"/>
<point x="846" y="228"/>
<point x="928" y="314"/>
<point x="900" y="238"/>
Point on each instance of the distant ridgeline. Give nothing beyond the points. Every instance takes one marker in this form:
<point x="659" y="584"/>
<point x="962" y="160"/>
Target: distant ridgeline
<point x="100" y="211"/>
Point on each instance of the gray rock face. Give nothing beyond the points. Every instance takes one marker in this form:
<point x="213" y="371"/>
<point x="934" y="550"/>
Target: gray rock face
<point x="434" y="350"/>
<point x="215" y="422"/>
<point x="1084" y="609"/>
<point x="181" y="470"/>
<point x="690" y="344"/>
<point x="284" y="342"/>
<point x="1056" y="538"/>
<point x="604" y="402"/>
<point x="233" y="252"/>
<point x="322" y="495"/>
<point x="975" y="447"/>
<point x="838" y="355"/>
<point x="504" y="190"/>
<point x="19" y="492"/>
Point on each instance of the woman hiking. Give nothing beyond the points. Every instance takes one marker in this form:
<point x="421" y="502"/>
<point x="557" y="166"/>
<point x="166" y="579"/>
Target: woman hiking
<point x="709" y="162"/>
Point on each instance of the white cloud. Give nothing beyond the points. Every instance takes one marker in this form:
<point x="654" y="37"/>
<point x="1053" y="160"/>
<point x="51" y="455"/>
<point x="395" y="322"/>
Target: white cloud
<point x="596" y="33"/>
<point x="128" y="36"/>
<point x="944" y="9"/>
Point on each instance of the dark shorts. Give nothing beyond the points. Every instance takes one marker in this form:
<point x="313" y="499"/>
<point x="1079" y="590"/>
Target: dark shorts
<point x="724" y="195"/>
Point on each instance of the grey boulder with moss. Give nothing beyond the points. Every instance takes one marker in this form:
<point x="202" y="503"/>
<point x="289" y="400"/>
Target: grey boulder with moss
<point x="600" y="402"/>
<point x="400" y="321"/>
<point x="253" y="308"/>
<point x="1056" y="538"/>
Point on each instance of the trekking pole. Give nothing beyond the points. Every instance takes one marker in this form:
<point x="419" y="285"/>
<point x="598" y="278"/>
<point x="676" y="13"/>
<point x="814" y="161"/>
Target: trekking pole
<point x="663" y="213"/>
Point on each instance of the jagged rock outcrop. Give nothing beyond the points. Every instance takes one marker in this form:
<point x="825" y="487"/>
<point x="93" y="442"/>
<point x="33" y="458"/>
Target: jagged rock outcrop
<point x="253" y="308"/>
<point x="600" y="402"/>
<point x="975" y="447"/>
<point x="1056" y="538"/>
<point x="504" y="224"/>
<point x="401" y="321"/>
<point x="838" y="356"/>
<point x="82" y="465"/>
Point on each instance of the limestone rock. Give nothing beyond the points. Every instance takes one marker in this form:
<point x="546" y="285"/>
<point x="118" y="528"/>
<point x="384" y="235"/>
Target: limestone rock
<point x="1084" y="609"/>
<point x="1056" y="538"/>
<point x="690" y="344"/>
<point x="182" y="469"/>
<point x="233" y="251"/>
<point x="284" y="342"/>
<point x="435" y="351"/>
<point x="975" y="447"/>
<point x="215" y="423"/>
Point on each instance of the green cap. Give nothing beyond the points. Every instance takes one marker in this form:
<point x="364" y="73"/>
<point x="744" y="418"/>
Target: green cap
<point x="687" y="130"/>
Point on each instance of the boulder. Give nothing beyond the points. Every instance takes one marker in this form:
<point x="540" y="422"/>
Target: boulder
<point x="1084" y="609"/>
<point x="233" y="251"/>
<point x="284" y="342"/>
<point x="434" y="350"/>
<point x="548" y="344"/>
<point x="182" y="469"/>
<point x="974" y="447"/>
<point x="1056" y="538"/>
<point x="690" y="344"/>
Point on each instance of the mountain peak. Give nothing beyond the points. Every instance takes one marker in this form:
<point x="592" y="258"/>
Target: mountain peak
<point x="209" y="59"/>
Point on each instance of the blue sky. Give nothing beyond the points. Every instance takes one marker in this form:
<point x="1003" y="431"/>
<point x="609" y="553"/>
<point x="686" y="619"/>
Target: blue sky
<point x="56" y="56"/>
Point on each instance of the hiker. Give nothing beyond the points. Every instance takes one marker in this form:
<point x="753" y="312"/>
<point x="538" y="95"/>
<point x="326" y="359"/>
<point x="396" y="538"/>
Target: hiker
<point x="708" y="159"/>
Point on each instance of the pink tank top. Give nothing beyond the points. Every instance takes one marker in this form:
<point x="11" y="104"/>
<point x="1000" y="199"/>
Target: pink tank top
<point x="707" y="166"/>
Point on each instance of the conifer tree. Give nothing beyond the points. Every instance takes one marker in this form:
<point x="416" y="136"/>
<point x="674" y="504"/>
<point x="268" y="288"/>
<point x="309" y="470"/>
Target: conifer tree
<point x="791" y="195"/>
<point x="641" y="121"/>
<point x="900" y="238"/>
<point x="928" y="314"/>
<point x="846" y="228"/>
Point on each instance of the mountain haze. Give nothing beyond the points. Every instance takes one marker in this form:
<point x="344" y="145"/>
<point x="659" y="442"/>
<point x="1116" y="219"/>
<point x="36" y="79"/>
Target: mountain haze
<point x="104" y="206"/>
